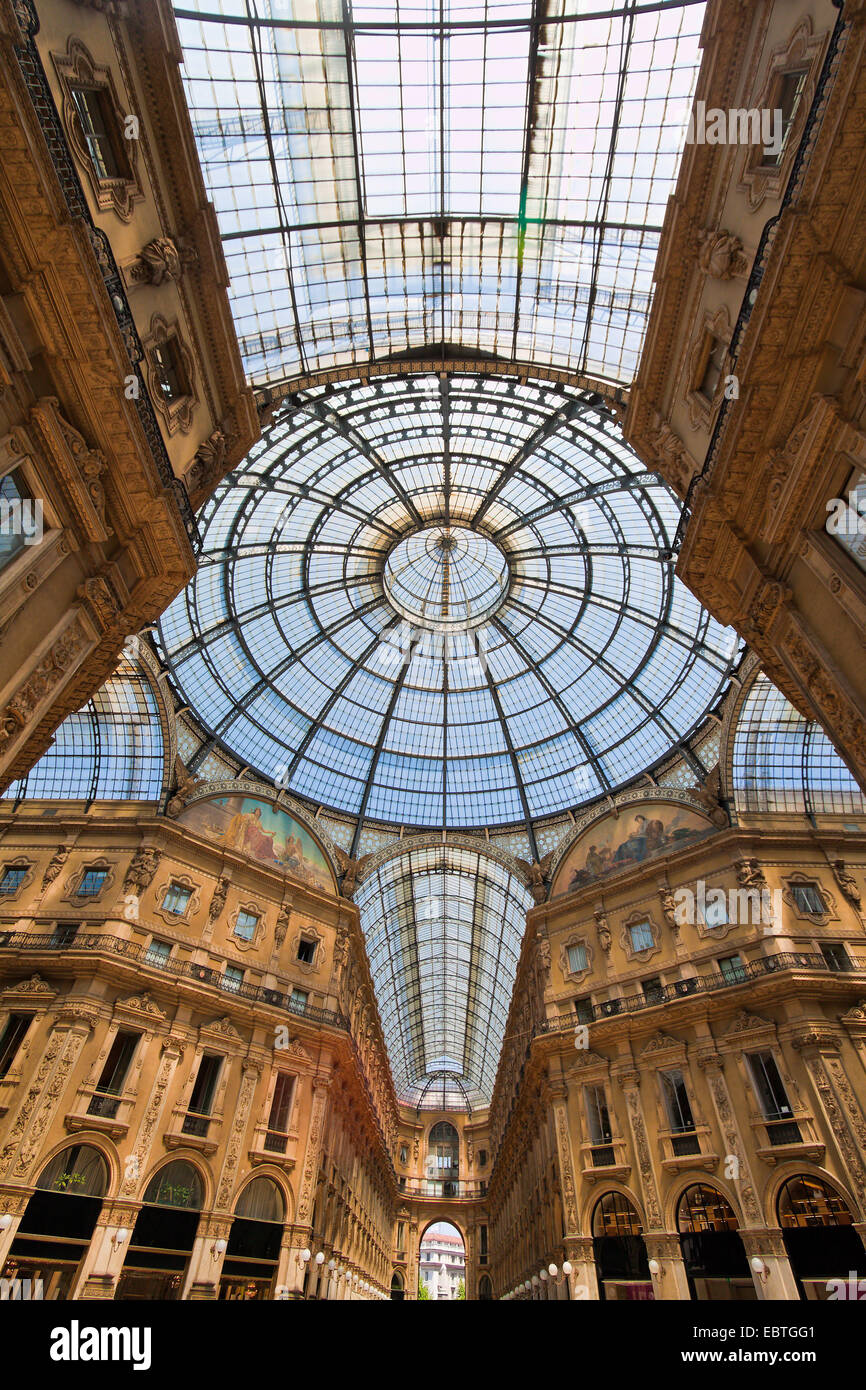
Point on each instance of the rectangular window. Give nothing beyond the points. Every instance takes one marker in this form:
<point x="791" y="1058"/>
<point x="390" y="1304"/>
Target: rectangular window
<point x="114" y="1073"/>
<point x="176" y="898"/>
<point x="12" y="1038"/>
<point x="583" y="1009"/>
<point x="808" y="898"/>
<point x="91" y="884"/>
<point x="836" y="956"/>
<point x="64" y="933"/>
<point x="298" y="1000"/>
<point x="714" y="360"/>
<point x="786" y="98"/>
<point x="577" y="958"/>
<point x="245" y="926"/>
<point x="676" y="1100"/>
<point x="12" y="880"/>
<point x="715" y="914"/>
<point x="170" y="371"/>
<point x="17" y="516"/>
<point x="653" y="990"/>
<point x="203" y="1092"/>
<point x="733" y="971"/>
<point x="281" y="1109"/>
<point x="597" y="1115"/>
<point x="306" y="950"/>
<point x="157" y="953"/>
<point x="233" y="978"/>
<point x="641" y="936"/>
<point x="97" y="120"/>
<point x="769" y="1086"/>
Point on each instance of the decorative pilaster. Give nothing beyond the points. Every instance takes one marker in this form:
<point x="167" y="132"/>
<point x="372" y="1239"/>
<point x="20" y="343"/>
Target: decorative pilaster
<point x="711" y="1063"/>
<point x="629" y="1081"/>
<point x="819" y="1049"/>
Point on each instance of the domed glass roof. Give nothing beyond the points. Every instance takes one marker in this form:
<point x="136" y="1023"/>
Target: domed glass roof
<point x="444" y="600"/>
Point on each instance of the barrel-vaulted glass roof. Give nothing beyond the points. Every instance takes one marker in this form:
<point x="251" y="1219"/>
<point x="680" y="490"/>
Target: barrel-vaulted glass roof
<point x="443" y="927"/>
<point x="444" y="600"/>
<point x="395" y="174"/>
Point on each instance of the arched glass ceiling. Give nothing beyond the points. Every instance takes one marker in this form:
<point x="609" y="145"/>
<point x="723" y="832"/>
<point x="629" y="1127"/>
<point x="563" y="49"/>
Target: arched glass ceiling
<point x="783" y="762"/>
<point x="397" y="174"/>
<point x="110" y="750"/>
<point x="443" y="928"/>
<point x="595" y="664"/>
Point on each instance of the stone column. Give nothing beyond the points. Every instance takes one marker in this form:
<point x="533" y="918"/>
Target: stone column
<point x="777" y="1280"/>
<point x="583" y="1280"/>
<point x="13" y="1202"/>
<point x="101" y="1266"/>
<point x="671" y="1282"/>
<point x="835" y="1096"/>
<point x="205" y="1264"/>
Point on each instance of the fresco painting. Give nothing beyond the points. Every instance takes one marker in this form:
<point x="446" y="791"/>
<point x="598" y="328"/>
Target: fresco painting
<point x="260" y="831"/>
<point x="639" y="832"/>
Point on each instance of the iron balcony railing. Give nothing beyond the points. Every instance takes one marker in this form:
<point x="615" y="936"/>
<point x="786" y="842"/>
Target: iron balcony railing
<point x="94" y="942"/>
<point x="441" y="1187"/>
<point x="696" y="984"/>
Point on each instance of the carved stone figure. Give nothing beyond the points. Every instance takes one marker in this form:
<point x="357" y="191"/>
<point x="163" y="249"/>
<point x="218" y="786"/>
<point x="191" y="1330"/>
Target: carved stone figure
<point x="709" y="796"/>
<point x="721" y="254"/>
<point x="282" y="926"/>
<point x="140" y="873"/>
<point x="750" y="874"/>
<point x="218" y="900"/>
<point x="162" y="260"/>
<point x="186" y="782"/>
<point x="847" y="883"/>
<point x="602" y="930"/>
<point x="55" y="864"/>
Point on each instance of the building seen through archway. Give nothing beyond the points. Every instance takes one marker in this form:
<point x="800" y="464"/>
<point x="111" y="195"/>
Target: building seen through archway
<point x="432" y="709"/>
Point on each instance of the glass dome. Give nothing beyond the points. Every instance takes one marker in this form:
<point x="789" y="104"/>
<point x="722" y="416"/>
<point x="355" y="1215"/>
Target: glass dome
<point x="444" y="600"/>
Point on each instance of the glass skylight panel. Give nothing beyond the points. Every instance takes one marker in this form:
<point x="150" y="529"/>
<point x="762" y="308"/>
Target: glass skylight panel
<point x="368" y="177"/>
<point x="292" y="610"/>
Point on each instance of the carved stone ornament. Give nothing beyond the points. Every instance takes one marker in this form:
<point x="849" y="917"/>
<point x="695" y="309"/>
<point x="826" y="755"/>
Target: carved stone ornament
<point x="218" y="899"/>
<point x="143" y="1004"/>
<point x="223" y="1026"/>
<point x="48" y="674"/>
<point x="847" y="883"/>
<point x="602" y="930"/>
<point x="744" y="1022"/>
<point x="721" y="254"/>
<point x="55" y="864"/>
<point x="161" y="260"/>
<point x="209" y="465"/>
<point x="185" y="784"/>
<point x="708" y="795"/>
<point x="35" y="985"/>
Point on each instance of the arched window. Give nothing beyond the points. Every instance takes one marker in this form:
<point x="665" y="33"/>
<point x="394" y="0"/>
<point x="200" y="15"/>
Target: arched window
<point x="79" y="1171"/>
<point x="178" y="1184"/>
<point x="112" y="749"/>
<point x="261" y="1200"/>
<point x="783" y="762"/>
<point x="614" y="1215"/>
<point x="807" y="1201"/>
<point x="485" y="1288"/>
<point x="702" y="1208"/>
<point x="397" y="1290"/>
<point x="443" y="1151"/>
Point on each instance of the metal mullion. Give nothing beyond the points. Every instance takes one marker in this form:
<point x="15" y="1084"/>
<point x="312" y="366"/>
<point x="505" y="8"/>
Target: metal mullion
<point x="591" y="491"/>
<point x="351" y="82"/>
<point x="532" y="79"/>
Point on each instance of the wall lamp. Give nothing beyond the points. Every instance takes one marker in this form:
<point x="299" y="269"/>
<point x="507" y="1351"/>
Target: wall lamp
<point x="656" y="1269"/>
<point x="760" y="1268"/>
<point x="218" y="1248"/>
<point x="304" y="1256"/>
<point x="120" y="1237"/>
<point x="5" y="1221"/>
<point x="559" y="1276"/>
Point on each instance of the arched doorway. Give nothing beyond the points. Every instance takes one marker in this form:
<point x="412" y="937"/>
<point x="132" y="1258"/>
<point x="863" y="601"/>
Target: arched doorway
<point x="443" y="1159"/>
<point x="442" y="1263"/>
<point x="713" y="1253"/>
<point x="620" y="1253"/>
<point x="485" y="1289"/>
<point x="398" y="1291"/>
<point x="253" y="1252"/>
<point x="58" y="1220"/>
<point x="162" y="1238"/>
<point x="820" y="1240"/>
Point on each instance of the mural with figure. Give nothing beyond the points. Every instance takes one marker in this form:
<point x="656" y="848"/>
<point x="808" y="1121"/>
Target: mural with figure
<point x="260" y="831"/>
<point x="640" y="832"/>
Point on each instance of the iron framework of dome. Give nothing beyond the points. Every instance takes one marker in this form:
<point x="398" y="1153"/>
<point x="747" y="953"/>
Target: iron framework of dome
<point x="570" y="659"/>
